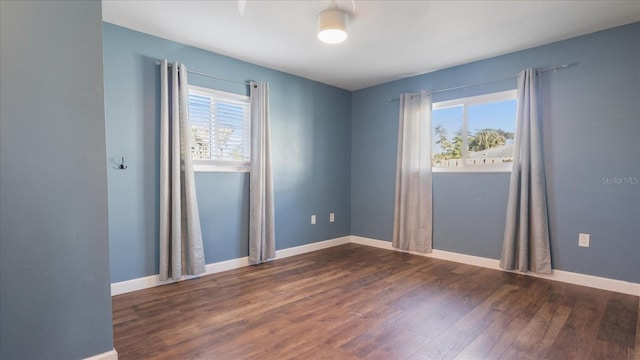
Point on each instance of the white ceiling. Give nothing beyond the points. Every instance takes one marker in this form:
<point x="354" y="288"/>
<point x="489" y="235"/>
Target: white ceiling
<point x="388" y="40"/>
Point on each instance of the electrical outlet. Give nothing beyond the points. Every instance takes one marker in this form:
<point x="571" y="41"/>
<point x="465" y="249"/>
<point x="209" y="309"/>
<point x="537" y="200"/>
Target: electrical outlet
<point x="313" y="219"/>
<point x="583" y="240"/>
<point x="332" y="217"/>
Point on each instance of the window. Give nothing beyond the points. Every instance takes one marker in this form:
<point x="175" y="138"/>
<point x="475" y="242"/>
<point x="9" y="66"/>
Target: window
<point x="220" y="130"/>
<point x="474" y="133"/>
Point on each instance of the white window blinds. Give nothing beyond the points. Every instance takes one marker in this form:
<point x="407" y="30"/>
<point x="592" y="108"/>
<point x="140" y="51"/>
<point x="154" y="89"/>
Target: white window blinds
<point x="220" y="127"/>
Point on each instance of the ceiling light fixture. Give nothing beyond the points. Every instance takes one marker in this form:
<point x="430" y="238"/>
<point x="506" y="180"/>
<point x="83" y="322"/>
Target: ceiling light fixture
<point x="332" y="26"/>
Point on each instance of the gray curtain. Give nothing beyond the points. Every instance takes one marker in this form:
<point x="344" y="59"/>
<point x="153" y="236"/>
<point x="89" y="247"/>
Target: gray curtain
<point x="181" y="250"/>
<point x="526" y="234"/>
<point x="412" y="224"/>
<point x="262" y="243"/>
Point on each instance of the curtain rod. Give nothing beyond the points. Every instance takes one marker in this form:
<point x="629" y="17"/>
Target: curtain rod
<point x="211" y="76"/>
<point x="553" y="68"/>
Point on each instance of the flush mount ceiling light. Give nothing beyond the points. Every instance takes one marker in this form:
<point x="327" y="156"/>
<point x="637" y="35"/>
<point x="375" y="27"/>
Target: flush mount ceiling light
<point x="332" y="26"/>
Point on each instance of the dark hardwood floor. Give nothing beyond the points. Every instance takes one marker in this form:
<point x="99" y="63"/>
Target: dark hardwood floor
<point x="359" y="302"/>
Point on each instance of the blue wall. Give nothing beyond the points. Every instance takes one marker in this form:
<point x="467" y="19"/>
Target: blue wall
<point x="592" y="135"/>
<point x="54" y="265"/>
<point x="591" y="125"/>
<point x="311" y="137"/>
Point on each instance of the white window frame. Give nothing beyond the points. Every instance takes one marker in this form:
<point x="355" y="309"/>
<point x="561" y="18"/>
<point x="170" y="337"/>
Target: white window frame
<point x="466" y="102"/>
<point x="205" y="165"/>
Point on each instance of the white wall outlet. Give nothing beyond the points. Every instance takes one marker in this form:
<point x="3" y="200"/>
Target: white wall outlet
<point x="332" y="217"/>
<point x="583" y="240"/>
<point x="313" y="219"/>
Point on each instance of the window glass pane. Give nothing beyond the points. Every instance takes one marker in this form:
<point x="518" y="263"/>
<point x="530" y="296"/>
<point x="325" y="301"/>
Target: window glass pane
<point x="228" y="140"/>
<point x="199" y="110"/>
<point x="447" y="136"/>
<point x="220" y="127"/>
<point x="491" y="128"/>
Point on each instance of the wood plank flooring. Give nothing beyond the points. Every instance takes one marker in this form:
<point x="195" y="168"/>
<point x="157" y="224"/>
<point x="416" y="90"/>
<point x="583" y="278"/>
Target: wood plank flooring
<point x="359" y="302"/>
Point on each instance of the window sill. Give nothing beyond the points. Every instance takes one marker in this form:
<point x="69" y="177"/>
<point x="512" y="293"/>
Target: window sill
<point x="473" y="169"/>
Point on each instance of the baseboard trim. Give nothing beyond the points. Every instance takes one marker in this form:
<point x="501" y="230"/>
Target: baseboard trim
<point x="146" y="282"/>
<point x="557" y="275"/>
<point x="109" y="355"/>
<point x="303" y="249"/>
<point x="597" y="282"/>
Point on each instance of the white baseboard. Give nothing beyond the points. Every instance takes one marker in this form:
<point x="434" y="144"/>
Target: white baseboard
<point x="597" y="282"/>
<point x="154" y="280"/>
<point x="303" y="249"/>
<point x="557" y="275"/>
<point x="109" y="355"/>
